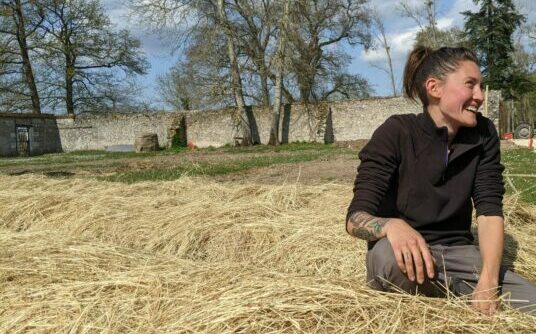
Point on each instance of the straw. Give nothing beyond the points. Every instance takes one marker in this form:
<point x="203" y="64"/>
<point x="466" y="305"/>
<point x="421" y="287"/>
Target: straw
<point x="194" y="255"/>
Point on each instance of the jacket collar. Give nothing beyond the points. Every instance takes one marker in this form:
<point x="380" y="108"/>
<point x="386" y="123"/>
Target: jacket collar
<point x="466" y="139"/>
<point x="430" y="128"/>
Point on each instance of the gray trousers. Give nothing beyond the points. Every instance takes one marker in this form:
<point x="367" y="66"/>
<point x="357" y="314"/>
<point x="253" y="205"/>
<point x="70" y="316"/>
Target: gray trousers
<point x="457" y="271"/>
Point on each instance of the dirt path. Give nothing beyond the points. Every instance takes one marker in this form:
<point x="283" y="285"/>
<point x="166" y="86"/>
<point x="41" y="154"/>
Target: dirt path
<point x="340" y="170"/>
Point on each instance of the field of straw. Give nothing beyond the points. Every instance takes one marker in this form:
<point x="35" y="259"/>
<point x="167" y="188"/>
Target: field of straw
<point x="193" y="255"/>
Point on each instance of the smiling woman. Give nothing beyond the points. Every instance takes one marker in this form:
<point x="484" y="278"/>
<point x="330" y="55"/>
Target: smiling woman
<point x="416" y="185"/>
<point x="458" y="98"/>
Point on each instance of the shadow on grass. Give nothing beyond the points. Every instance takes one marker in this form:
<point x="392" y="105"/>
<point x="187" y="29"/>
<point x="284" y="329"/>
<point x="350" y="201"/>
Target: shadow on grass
<point x="59" y="174"/>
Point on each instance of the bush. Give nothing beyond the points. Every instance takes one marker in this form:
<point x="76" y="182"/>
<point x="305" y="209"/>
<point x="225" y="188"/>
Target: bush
<point x="179" y="139"/>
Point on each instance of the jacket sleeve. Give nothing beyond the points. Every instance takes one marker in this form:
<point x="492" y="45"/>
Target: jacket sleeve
<point x="379" y="163"/>
<point x="488" y="186"/>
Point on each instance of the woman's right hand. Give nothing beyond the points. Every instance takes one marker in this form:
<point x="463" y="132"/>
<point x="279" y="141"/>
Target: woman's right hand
<point x="411" y="251"/>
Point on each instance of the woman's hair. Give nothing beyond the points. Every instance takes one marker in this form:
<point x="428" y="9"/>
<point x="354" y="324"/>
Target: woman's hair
<point x="424" y="63"/>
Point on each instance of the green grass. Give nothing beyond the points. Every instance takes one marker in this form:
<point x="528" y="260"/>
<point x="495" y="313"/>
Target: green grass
<point x="71" y="157"/>
<point x="95" y="155"/>
<point x="212" y="169"/>
<point x="293" y="147"/>
<point x="204" y="161"/>
<point x="516" y="161"/>
<point x="520" y="161"/>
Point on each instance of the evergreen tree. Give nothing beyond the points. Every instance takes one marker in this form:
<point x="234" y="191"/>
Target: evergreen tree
<point x="490" y="30"/>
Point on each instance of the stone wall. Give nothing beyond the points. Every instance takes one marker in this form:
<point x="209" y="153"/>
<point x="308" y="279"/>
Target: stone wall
<point x="42" y="129"/>
<point x="98" y="131"/>
<point x="348" y="120"/>
<point x="491" y="109"/>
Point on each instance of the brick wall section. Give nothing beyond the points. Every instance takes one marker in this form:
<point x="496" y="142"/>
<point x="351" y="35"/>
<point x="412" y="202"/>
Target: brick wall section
<point x="352" y="120"/>
<point x="43" y="133"/>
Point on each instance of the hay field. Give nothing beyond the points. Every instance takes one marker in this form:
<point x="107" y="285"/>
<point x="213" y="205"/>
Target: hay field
<point x="194" y="255"/>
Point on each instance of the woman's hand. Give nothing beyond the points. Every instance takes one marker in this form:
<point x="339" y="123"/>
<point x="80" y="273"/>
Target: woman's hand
<point x="411" y="251"/>
<point x="484" y="297"/>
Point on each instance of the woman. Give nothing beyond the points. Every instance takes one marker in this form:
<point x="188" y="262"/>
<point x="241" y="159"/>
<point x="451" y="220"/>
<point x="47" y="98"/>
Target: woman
<point x="416" y="185"/>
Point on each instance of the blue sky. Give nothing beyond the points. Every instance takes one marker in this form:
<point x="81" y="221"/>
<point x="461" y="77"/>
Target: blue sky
<point x="400" y="33"/>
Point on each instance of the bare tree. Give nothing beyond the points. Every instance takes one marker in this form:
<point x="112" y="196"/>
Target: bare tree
<point x="318" y="25"/>
<point x="187" y="16"/>
<point x="279" y="68"/>
<point x="245" y="30"/>
<point x="235" y="76"/>
<point x="174" y="88"/>
<point x="380" y="37"/>
<point x="256" y="31"/>
<point x="201" y="80"/>
<point x="19" y="30"/>
<point x="425" y="17"/>
<point x="80" y="34"/>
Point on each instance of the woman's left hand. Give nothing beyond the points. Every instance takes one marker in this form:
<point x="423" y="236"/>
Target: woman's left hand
<point x="485" y="297"/>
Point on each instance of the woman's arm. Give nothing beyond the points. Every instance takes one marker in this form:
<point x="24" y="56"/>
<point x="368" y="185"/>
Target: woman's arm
<point x="366" y="226"/>
<point x="488" y="190"/>
<point x="379" y="163"/>
<point x="491" y="241"/>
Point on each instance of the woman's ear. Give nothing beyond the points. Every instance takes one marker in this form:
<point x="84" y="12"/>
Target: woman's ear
<point x="433" y="87"/>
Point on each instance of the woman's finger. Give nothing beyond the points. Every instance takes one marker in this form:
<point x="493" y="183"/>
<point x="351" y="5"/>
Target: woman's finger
<point x="418" y="262"/>
<point x="408" y="261"/>
<point x="400" y="260"/>
<point x="428" y="259"/>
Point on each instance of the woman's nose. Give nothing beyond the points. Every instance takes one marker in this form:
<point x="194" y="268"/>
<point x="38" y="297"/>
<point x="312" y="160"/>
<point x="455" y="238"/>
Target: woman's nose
<point x="478" y="94"/>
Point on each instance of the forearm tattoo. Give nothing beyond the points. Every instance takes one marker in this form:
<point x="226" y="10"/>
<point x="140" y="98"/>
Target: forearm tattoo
<point x="365" y="226"/>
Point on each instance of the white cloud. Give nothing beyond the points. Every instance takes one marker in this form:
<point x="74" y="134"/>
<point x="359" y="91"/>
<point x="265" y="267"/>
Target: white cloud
<point x="118" y="13"/>
<point x="152" y="45"/>
<point x="158" y="52"/>
<point x="455" y="12"/>
<point x="445" y="23"/>
<point x="400" y="44"/>
<point x="401" y="33"/>
<point x="527" y="8"/>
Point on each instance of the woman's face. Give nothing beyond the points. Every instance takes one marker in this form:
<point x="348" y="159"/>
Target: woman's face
<point x="460" y="95"/>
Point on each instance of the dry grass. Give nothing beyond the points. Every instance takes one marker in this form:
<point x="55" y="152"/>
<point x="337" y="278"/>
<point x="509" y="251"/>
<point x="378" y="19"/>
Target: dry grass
<point x="198" y="256"/>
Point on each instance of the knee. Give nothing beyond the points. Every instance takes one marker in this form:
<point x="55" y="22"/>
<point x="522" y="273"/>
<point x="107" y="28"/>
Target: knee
<point x="381" y="256"/>
<point x="383" y="273"/>
<point x="382" y="265"/>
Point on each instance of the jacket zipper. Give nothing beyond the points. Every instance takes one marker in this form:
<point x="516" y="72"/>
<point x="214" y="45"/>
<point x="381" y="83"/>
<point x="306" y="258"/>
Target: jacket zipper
<point x="444" y="174"/>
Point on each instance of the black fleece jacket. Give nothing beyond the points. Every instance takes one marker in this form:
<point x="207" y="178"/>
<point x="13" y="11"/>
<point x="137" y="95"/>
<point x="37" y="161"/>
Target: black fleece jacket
<point x="407" y="172"/>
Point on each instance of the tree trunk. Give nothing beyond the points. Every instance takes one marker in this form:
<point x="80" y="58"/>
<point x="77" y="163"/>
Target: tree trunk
<point x="388" y="53"/>
<point x="430" y="10"/>
<point x="235" y="75"/>
<point x="69" y="75"/>
<point x="274" y="130"/>
<point x="18" y="17"/>
<point x="264" y="86"/>
<point x="391" y="72"/>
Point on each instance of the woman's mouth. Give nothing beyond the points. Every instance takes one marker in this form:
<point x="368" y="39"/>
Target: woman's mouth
<point x="472" y="109"/>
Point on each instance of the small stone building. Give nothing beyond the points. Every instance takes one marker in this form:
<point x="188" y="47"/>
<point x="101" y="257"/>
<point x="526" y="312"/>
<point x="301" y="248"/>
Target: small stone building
<point x="28" y="134"/>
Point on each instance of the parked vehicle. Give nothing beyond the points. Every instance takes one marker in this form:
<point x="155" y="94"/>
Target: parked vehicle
<point x="524" y="131"/>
